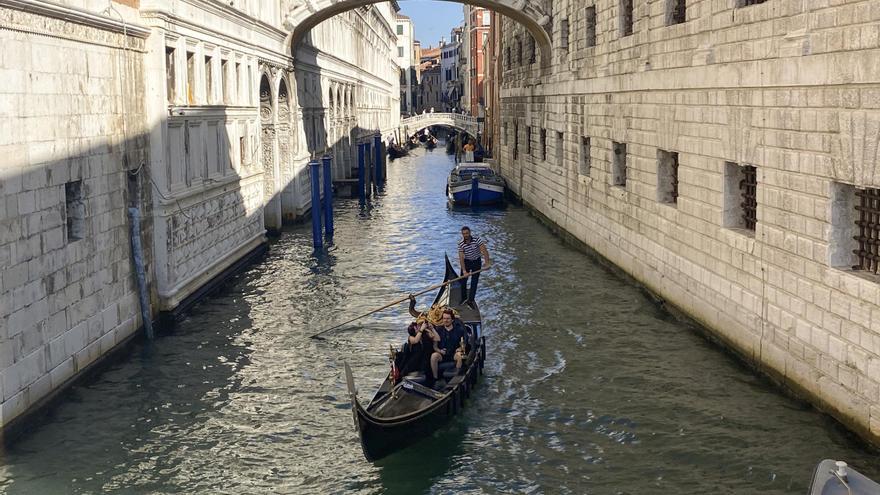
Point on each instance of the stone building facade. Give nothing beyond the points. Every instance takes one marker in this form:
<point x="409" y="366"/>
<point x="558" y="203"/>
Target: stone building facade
<point x="202" y="115"/>
<point x="724" y="154"/>
<point x="72" y="137"/>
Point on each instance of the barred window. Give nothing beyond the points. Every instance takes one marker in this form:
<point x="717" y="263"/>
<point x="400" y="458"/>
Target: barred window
<point x="618" y="172"/>
<point x="626" y="18"/>
<point x="543" y="144"/>
<point x="533" y="51"/>
<point x="746" y="3"/>
<point x="563" y="34"/>
<point x="591" y="26"/>
<point x="675" y="12"/>
<point x="740" y="196"/>
<point x="667" y="177"/>
<point x="868" y="230"/>
<point x="585" y="157"/>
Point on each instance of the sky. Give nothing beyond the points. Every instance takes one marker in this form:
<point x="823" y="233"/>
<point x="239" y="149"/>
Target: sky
<point x="432" y="19"/>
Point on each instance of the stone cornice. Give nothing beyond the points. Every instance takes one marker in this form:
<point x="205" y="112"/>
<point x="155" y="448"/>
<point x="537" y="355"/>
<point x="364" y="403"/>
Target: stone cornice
<point x="226" y="12"/>
<point x="260" y="51"/>
<point x="74" y="15"/>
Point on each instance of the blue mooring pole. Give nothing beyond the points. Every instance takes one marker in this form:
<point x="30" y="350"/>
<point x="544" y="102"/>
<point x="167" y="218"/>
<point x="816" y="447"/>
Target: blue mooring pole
<point x="377" y="153"/>
<point x="328" y="198"/>
<point x="315" y="171"/>
<point x="362" y="180"/>
<point x="370" y="175"/>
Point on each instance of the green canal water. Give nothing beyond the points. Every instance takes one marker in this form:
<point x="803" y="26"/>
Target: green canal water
<point x="589" y="387"/>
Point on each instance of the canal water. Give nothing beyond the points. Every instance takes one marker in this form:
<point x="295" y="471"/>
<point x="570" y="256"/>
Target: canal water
<point x="589" y="387"/>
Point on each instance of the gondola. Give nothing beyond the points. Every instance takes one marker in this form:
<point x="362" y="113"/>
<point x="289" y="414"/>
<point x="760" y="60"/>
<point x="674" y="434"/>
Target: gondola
<point x="431" y="143"/>
<point x="396" y="151"/>
<point x="402" y="413"/>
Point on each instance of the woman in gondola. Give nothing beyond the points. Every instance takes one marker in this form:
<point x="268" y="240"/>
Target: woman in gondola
<point x="422" y="343"/>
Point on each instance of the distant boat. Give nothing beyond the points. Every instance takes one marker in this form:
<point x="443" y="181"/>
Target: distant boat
<point x="397" y="151"/>
<point x="836" y="478"/>
<point x="474" y="184"/>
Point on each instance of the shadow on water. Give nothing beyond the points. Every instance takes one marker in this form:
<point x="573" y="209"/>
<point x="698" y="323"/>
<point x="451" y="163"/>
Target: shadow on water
<point x="416" y="468"/>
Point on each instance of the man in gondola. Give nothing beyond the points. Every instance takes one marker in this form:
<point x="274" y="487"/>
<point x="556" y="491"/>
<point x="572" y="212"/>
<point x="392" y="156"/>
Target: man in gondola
<point x="471" y="251"/>
<point x="448" y="346"/>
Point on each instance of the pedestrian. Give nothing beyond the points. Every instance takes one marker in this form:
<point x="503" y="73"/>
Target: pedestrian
<point x="471" y="251"/>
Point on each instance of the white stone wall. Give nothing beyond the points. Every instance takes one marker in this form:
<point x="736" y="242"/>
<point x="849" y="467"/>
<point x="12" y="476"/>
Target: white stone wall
<point x="233" y="132"/>
<point x="71" y="105"/>
<point x="789" y="87"/>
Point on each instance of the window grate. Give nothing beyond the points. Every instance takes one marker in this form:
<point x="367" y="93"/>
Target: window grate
<point x="748" y="187"/>
<point x="591" y="26"/>
<point x="868" y="224"/>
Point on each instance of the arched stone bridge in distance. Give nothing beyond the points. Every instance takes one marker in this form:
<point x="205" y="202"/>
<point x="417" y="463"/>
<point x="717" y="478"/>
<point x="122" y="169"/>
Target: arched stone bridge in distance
<point x="303" y="16"/>
<point x="466" y="123"/>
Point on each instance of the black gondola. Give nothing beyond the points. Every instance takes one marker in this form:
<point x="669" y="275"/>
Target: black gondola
<point x="400" y="414"/>
<point x="396" y="151"/>
<point x="431" y="143"/>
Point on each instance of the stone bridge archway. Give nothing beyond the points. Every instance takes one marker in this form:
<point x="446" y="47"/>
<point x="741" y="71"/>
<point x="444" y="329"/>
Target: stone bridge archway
<point x="303" y="16"/>
<point x="467" y="124"/>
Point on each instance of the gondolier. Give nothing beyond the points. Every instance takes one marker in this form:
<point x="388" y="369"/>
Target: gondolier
<point x="471" y="251"/>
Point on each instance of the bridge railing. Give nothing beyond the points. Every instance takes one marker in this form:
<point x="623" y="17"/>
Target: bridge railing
<point x="462" y="121"/>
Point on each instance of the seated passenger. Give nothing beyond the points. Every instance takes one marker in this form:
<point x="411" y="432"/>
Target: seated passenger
<point x="422" y="343"/>
<point x="450" y="335"/>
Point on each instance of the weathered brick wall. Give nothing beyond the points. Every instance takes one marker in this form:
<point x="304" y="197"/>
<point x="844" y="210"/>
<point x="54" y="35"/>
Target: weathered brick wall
<point x="789" y="87"/>
<point x="71" y="104"/>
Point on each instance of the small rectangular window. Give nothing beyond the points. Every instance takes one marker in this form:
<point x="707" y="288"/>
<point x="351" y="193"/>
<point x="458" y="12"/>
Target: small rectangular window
<point x="400" y="51"/>
<point x="667" y="177"/>
<point x="224" y="78"/>
<point x="543" y="144"/>
<point x="75" y="210"/>
<point x="515" y="141"/>
<point x="191" y="78"/>
<point x="237" y="75"/>
<point x="504" y="134"/>
<point x="740" y="196"/>
<point x="563" y="34"/>
<point x="746" y="3"/>
<point x="618" y="175"/>
<point x="560" y="148"/>
<point x="533" y="51"/>
<point x="519" y="51"/>
<point x="400" y="29"/>
<point x="209" y="80"/>
<point x="626" y="18"/>
<point x="676" y="12"/>
<point x="528" y="140"/>
<point x="585" y="163"/>
<point x="170" y="80"/>
<point x="591" y="26"/>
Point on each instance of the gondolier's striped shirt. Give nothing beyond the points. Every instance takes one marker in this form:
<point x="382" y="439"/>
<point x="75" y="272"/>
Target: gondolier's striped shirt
<point x="472" y="249"/>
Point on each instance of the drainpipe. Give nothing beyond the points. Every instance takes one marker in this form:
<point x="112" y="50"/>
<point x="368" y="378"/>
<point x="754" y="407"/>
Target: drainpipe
<point x="137" y="253"/>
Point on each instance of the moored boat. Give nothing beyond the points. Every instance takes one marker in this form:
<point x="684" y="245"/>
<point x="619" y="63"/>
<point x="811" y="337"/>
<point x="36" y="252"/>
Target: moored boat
<point x="474" y="184"/>
<point x="836" y="478"/>
<point x="403" y="411"/>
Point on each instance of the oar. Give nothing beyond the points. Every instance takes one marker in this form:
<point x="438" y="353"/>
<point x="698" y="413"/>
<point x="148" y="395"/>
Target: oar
<point x="429" y="289"/>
